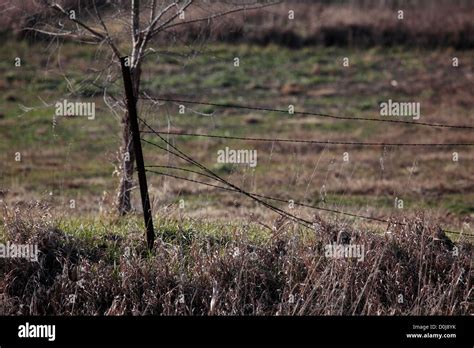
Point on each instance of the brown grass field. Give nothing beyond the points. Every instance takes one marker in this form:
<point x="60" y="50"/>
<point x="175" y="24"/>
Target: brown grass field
<point x="219" y="252"/>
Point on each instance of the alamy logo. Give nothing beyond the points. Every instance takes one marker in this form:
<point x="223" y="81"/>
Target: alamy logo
<point x="37" y="331"/>
<point x="26" y="251"/>
<point x="339" y="251"/>
<point x="393" y="108"/>
<point x="237" y="156"/>
<point x="68" y="108"/>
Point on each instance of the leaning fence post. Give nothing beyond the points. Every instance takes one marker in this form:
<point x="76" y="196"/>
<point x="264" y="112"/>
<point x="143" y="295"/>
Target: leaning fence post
<point x="137" y="146"/>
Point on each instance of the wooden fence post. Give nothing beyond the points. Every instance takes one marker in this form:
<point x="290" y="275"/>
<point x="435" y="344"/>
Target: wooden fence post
<point x="137" y="146"/>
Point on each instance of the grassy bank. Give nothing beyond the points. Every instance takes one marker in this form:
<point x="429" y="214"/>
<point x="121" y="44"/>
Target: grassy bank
<point x="200" y="268"/>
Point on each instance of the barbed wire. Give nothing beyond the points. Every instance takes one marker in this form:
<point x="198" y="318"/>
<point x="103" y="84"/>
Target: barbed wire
<point x="267" y="197"/>
<point x="281" y="199"/>
<point x="254" y="196"/>
<point x="307" y="141"/>
<point x="235" y="106"/>
<point x="188" y="159"/>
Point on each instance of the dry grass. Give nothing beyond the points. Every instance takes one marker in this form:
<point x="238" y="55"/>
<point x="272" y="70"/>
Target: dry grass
<point x="191" y="273"/>
<point x="355" y="23"/>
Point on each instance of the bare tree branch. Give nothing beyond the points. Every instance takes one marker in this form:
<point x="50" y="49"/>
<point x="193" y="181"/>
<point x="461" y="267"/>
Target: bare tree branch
<point x="158" y="17"/>
<point x="77" y="21"/>
<point x="108" y="37"/>
<point x="149" y="31"/>
<point x="67" y="35"/>
<point x="153" y="10"/>
<point x="136" y="40"/>
<point x="207" y="18"/>
<point x="171" y="19"/>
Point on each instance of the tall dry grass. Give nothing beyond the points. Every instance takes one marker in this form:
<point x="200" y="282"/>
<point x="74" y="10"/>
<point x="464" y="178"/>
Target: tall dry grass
<point x="190" y="273"/>
<point x="356" y="22"/>
<point x="353" y="23"/>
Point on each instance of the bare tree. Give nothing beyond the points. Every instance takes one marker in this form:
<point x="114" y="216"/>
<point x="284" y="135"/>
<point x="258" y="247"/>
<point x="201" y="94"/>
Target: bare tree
<point x="146" y="20"/>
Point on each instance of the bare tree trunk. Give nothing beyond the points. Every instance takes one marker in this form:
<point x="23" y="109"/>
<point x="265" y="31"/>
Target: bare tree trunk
<point x="127" y="158"/>
<point x="127" y="155"/>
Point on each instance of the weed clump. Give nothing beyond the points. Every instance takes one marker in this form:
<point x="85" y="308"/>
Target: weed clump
<point x="414" y="270"/>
